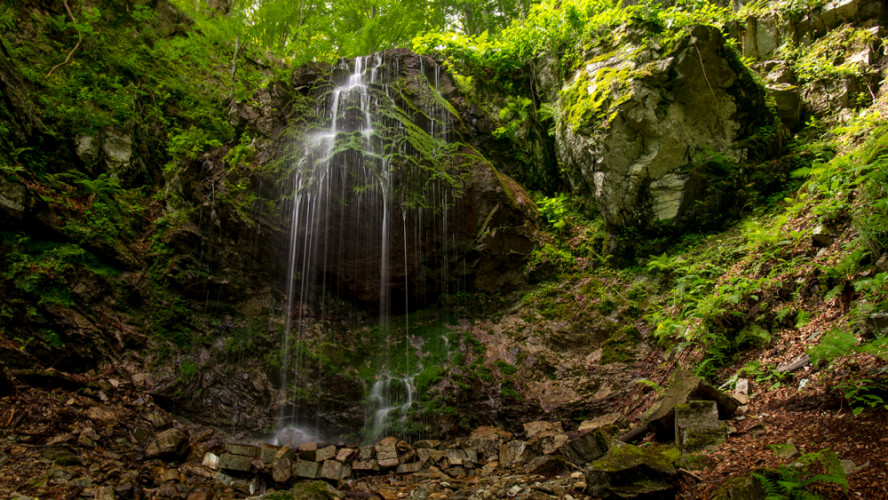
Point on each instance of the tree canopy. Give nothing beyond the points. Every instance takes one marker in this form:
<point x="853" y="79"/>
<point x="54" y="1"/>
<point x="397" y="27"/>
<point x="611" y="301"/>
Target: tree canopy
<point x="303" y="30"/>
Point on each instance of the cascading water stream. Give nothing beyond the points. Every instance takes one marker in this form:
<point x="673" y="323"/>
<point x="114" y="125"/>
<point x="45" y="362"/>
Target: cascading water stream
<point x="352" y="179"/>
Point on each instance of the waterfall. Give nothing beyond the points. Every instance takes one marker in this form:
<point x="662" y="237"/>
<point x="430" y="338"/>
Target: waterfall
<point x="373" y="163"/>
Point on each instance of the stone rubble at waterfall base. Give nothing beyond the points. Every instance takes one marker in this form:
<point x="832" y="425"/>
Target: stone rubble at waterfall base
<point x="97" y="436"/>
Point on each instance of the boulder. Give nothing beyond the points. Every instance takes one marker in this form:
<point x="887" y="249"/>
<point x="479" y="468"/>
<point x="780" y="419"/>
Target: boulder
<point x="697" y="427"/>
<point x="658" y="137"/>
<point x="629" y="471"/>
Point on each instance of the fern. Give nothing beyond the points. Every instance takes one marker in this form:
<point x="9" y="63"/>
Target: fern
<point x="793" y="481"/>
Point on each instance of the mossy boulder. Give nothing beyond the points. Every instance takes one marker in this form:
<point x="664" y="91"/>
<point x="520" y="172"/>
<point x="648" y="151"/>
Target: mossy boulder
<point x="629" y="471"/>
<point x="306" y="490"/>
<point x="740" y="488"/>
<point x="658" y="132"/>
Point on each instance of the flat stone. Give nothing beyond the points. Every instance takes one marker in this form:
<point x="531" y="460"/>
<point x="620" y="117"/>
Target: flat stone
<point x="335" y="471"/>
<point x="230" y="461"/>
<point x="244" y="450"/>
<point x="325" y="454"/>
<point x="602" y="421"/>
<point x="411" y="468"/>
<point x="389" y="463"/>
<point x="532" y="429"/>
<point x="365" y="466"/>
<point x="307" y="469"/>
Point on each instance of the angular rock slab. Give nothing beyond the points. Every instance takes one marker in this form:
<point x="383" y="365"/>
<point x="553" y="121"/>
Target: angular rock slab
<point x="697" y="427"/>
<point x="685" y="386"/>
<point x="629" y="471"/>
<point x="586" y="447"/>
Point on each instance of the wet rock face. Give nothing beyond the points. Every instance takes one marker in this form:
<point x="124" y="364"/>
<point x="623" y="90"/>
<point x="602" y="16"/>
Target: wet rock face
<point x="447" y="220"/>
<point x="657" y="135"/>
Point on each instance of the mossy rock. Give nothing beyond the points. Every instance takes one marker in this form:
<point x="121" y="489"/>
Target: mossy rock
<point x="693" y="461"/>
<point x="308" y="490"/>
<point x="740" y="488"/>
<point x="629" y="471"/>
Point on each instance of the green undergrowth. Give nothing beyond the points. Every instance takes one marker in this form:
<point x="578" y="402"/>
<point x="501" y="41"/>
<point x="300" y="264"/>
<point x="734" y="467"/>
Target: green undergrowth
<point x="726" y="293"/>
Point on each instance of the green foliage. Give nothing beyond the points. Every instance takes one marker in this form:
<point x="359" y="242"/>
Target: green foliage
<point x="865" y="393"/>
<point x="554" y="210"/>
<point x="796" y="480"/>
<point x="505" y="367"/>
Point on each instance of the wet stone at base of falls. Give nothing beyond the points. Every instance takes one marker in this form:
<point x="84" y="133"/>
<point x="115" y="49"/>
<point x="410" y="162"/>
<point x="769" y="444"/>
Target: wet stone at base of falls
<point x="307" y="469"/>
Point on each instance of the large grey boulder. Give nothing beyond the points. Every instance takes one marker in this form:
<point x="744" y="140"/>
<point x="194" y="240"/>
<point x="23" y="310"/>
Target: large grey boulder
<point x="658" y="135"/>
